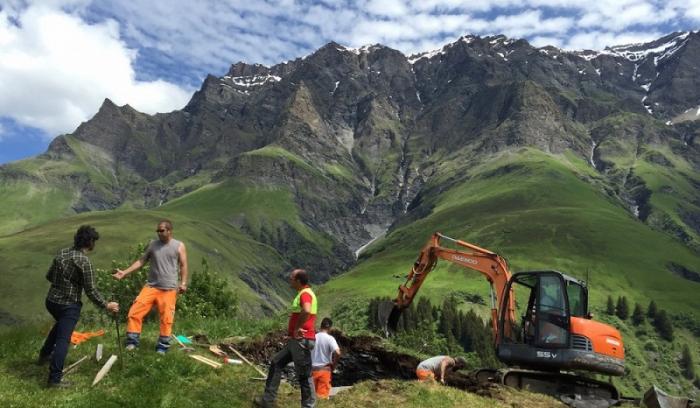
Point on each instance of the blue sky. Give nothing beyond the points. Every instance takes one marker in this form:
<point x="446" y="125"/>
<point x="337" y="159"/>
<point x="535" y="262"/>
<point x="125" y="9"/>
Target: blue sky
<point x="59" y="59"/>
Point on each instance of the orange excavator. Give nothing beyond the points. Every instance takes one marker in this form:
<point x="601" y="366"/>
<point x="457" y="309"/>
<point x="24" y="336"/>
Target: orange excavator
<point x="553" y="336"/>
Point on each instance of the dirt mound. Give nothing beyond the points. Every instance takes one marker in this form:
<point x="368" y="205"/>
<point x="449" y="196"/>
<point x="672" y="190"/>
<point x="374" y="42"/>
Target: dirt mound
<point x="363" y="358"/>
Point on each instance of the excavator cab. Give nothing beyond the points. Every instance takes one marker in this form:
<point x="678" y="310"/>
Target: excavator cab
<point x="545" y="321"/>
<point x="555" y="331"/>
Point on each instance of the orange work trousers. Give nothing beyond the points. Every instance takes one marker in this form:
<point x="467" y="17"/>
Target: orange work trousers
<point x="322" y="382"/>
<point x="163" y="299"/>
<point x="425" y="375"/>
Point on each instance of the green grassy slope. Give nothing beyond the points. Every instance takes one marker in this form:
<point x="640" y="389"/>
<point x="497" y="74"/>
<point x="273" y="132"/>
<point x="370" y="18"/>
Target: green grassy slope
<point x="27" y="204"/>
<point x="25" y="256"/>
<point x="209" y="221"/>
<point x="535" y="210"/>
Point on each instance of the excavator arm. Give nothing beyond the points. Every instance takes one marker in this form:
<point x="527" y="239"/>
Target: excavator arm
<point x="490" y="264"/>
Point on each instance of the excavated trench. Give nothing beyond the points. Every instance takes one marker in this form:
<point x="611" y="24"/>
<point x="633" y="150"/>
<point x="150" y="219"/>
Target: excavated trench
<point x="363" y="358"/>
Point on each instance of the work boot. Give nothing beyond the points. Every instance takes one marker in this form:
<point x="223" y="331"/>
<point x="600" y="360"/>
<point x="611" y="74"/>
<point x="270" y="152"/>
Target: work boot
<point x="59" y="385"/>
<point x="43" y="360"/>
<point x="260" y="402"/>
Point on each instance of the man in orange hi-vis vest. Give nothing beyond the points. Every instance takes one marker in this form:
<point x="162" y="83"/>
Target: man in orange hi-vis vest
<point x="302" y="336"/>
<point x="167" y="256"/>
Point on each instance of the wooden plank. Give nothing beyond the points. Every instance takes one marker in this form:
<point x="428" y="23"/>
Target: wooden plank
<point x="206" y="361"/>
<point x="105" y="369"/>
<point x="210" y="360"/>
<point x="336" y="390"/>
<point x="72" y="366"/>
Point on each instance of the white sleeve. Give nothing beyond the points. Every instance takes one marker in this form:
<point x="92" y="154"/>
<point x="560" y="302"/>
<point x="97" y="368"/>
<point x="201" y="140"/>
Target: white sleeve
<point x="334" y="344"/>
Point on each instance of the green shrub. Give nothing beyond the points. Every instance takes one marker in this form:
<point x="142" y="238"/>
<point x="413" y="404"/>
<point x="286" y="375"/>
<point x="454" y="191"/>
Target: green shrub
<point x="650" y="346"/>
<point x="208" y="295"/>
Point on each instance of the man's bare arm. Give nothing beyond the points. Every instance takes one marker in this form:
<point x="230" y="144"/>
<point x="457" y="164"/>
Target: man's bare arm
<point x="121" y="274"/>
<point x="184" y="272"/>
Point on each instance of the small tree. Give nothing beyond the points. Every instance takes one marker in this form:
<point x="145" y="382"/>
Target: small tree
<point x="610" y="308"/>
<point x="208" y="294"/>
<point x="663" y="325"/>
<point x="651" y="310"/>
<point x="637" y="315"/>
<point x="687" y="366"/>
<point x="622" y="309"/>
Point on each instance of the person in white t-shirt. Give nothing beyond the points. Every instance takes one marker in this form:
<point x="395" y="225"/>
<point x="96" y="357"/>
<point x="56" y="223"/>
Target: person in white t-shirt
<point x="324" y="357"/>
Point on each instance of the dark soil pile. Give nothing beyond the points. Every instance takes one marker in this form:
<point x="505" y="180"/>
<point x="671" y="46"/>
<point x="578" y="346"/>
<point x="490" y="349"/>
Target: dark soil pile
<point x="363" y="358"/>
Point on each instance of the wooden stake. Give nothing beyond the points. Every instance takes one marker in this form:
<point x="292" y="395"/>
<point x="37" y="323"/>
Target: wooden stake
<point x="72" y="366"/>
<point x="248" y="362"/>
<point x="105" y="369"/>
<point x="98" y="353"/>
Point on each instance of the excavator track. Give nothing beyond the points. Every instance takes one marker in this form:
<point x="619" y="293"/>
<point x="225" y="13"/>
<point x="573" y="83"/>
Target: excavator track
<point x="574" y="390"/>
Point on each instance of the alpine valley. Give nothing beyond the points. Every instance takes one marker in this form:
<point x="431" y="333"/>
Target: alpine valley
<point x="345" y="161"/>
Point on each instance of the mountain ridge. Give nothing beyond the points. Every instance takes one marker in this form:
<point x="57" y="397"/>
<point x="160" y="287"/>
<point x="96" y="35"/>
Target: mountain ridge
<point x="354" y="142"/>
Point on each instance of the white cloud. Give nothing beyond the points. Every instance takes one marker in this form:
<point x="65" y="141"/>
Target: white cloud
<point x="56" y="70"/>
<point x="600" y="40"/>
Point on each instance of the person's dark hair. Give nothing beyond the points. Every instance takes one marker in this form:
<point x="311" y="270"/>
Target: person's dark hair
<point x="85" y="237"/>
<point x="302" y="276"/>
<point x="460" y="362"/>
<point x="168" y="224"/>
<point x="326" y="323"/>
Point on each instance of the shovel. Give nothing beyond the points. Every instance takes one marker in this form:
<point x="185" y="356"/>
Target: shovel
<point x="182" y="345"/>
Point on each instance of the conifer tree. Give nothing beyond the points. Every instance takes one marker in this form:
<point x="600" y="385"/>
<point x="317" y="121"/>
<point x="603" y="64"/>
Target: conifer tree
<point x="651" y="310"/>
<point x="687" y="366"/>
<point x="424" y="311"/>
<point x="447" y="318"/>
<point x="663" y="325"/>
<point x="637" y="315"/>
<point x="622" y="309"/>
<point x="610" y="308"/>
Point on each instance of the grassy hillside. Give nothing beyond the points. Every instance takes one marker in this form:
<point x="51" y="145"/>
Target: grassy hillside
<point x="175" y="380"/>
<point x="216" y="222"/>
<point x="538" y="212"/>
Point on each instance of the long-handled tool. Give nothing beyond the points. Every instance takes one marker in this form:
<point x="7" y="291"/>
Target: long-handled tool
<point x="119" y="342"/>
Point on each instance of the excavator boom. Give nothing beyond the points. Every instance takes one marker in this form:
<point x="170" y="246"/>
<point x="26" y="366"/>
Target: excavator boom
<point x="490" y="264"/>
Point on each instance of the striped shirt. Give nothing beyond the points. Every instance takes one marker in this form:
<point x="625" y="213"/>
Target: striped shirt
<point x="70" y="273"/>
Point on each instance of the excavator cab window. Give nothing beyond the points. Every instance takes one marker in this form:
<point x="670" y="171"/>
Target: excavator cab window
<point x="545" y="319"/>
<point x="551" y="312"/>
<point x="577" y="299"/>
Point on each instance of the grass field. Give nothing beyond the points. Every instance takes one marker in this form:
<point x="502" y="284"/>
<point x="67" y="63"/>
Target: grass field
<point x="175" y="380"/>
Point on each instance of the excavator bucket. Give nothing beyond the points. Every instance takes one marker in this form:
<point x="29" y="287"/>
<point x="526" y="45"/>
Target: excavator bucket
<point x="387" y="315"/>
<point x="393" y="314"/>
<point x="657" y="398"/>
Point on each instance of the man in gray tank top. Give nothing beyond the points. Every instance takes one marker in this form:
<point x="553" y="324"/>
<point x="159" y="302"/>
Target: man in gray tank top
<point x="167" y="256"/>
<point x="435" y="368"/>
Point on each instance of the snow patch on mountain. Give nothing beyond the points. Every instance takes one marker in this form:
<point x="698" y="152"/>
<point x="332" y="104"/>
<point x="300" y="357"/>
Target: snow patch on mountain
<point x="252" y="80"/>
